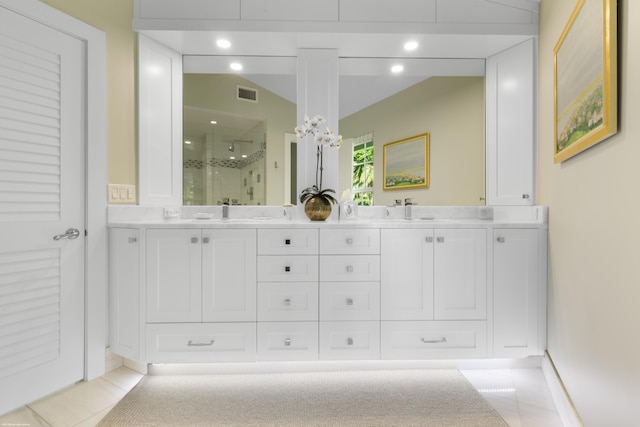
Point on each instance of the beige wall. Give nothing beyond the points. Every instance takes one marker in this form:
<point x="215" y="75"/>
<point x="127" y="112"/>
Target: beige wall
<point x="451" y="110"/>
<point x="114" y="18"/>
<point x="594" y="235"/>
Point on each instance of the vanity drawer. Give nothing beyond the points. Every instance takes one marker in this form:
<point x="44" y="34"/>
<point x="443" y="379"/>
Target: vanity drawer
<point x="287" y="268"/>
<point x="287" y="242"/>
<point x="287" y="301"/>
<point x="287" y="341"/>
<point x="349" y="268"/>
<point x="356" y="241"/>
<point x="349" y="340"/>
<point x="350" y="301"/>
<point x="433" y="340"/>
<point x="201" y="342"/>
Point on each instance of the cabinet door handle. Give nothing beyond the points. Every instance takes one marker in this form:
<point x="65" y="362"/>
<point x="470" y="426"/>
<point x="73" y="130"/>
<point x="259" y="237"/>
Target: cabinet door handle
<point x="349" y="301"/>
<point x="287" y="301"/>
<point x="287" y="268"/>
<point x="442" y="340"/>
<point x="429" y="239"/>
<point x="205" y="240"/>
<point x="287" y="241"/>
<point x="349" y="269"/>
<point x="194" y="240"/>
<point x="501" y="239"/>
<point x="349" y="341"/>
<point x="133" y="239"/>
<point x="349" y="241"/>
<point x="440" y="239"/>
<point x="287" y="342"/>
<point x="200" y="344"/>
<point x="525" y="196"/>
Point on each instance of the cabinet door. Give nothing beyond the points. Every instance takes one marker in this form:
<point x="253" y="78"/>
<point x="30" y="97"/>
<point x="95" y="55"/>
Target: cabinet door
<point x="349" y="340"/>
<point x="407" y="274"/>
<point x="174" y="275"/>
<point x="288" y="301"/>
<point x="510" y="89"/>
<point x="124" y="292"/>
<point x="359" y="241"/>
<point x="516" y="292"/>
<point x="460" y="274"/>
<point x="349" y="268"/>
<point x="287" y="341"/>
<point x="228" y="275"/>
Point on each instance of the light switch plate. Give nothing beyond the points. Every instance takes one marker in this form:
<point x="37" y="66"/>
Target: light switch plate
<point x="122" y="194"/>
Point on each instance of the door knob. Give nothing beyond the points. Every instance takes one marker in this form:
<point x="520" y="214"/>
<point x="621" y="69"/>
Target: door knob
<point x="71" y="233"/>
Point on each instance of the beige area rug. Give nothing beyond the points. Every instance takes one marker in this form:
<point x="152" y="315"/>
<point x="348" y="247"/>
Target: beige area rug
<point x="438" y="397"/>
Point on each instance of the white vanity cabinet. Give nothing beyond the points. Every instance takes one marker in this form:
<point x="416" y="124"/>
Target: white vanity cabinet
<point x="196" y="275"/>
<point x="327" y="292"/>
<point x="124" y="292"/>
<point x="349" y="294"/>
<point x="287" y="294"/>
<point x="434" y="293"/>
<point x="519" y="292"/>
<point x="200" y="295"/>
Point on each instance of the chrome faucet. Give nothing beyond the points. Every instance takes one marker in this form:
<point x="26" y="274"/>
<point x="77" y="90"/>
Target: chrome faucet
<point x="408" y="208"/>
<point x="225" y="208"/>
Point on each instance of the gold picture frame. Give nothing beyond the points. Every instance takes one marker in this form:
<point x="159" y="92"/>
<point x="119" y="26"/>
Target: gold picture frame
<point x="585" y="79"/>
<point x="406" y="163"/>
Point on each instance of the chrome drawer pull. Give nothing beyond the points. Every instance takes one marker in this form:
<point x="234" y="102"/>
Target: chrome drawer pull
<point x="194" y="240"/>
<point x="205" y="240"/>
<point x="444" y="339"/>
<point x="429" y="239"/>
<point x="349" y="241"/>
<point x="287" y="241"/>
<point x="287" y="268"/>
<point x="349" y="301"/>
<point x="200" y="344"/>
<point x="287" y="301"/>
<point x="349" y="269"/>
<point x="133" y="239"/>
<point x="501" y="239"/>
<point x="287" y="342"/>
<point x="440" y="239"/>
<point x="349" y="341"/>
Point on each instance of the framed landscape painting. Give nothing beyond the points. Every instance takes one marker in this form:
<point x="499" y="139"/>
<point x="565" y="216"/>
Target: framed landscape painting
<point x="585" y="78"/>
<point x="406" y="163"/>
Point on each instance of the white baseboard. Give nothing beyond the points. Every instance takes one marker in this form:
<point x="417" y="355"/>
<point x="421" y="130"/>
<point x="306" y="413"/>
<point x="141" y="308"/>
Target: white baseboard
<point x="565" y="407"/>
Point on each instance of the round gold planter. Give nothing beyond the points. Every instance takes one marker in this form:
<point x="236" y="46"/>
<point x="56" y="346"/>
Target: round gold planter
<point x="317" y="208"/>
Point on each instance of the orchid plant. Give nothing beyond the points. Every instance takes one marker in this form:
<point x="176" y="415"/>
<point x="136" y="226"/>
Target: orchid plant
<point x="322" y="138"/>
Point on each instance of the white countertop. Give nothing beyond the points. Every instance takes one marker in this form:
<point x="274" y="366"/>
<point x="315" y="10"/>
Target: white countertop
<point x="374" y="217"/>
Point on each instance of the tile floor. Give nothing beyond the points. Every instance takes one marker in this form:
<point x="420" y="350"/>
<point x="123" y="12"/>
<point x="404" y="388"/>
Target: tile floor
<point x="521" y="396"/>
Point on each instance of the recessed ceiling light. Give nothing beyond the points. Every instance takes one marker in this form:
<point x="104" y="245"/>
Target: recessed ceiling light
<point x="397" y="68"/>
<point x="187" y="142"/>
<point x="223" y="43"/>
<point x="214" y="122"/>
<point x="236" y="66"/>
<point x="232" y="157"/>
<point x="411" y="45"/>
<point x="244" y="156"/>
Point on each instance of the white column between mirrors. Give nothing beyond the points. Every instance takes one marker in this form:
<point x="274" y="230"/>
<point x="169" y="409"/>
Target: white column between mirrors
<point x="317" y="95"/>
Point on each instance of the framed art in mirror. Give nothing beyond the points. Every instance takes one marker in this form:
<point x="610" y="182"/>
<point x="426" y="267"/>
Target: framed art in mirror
<point x="585" y="78"/>
<point x="406" y="163"/>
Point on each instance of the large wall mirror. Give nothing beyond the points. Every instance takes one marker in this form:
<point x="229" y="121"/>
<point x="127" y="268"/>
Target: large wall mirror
<point x="254" y="111"/>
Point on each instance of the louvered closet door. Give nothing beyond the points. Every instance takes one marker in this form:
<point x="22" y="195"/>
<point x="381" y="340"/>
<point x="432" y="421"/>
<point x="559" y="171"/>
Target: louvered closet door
<point x="41" y="195"/>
